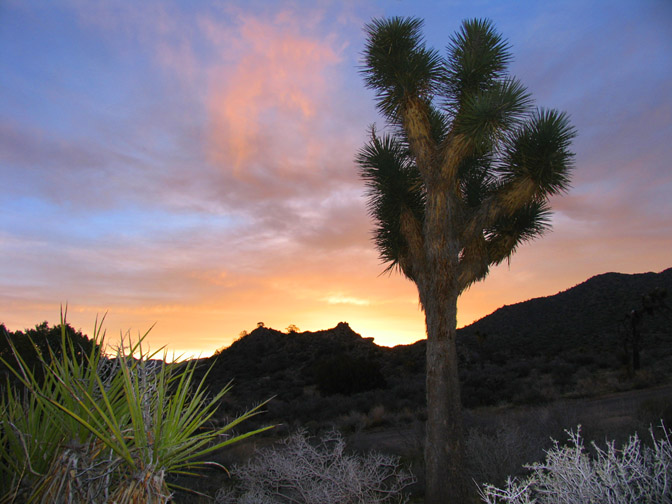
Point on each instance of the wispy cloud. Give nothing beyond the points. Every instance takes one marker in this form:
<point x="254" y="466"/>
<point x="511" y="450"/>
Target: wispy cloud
<point x="265" y="106"/>
<point x="192" y="163"/>
<point x="341" y="299"/>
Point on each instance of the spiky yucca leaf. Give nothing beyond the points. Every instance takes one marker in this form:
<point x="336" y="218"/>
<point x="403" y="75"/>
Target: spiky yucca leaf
<point x="477" y="57"/>
<point x="487" y="116"/>
<point x="112" y="428"/>
<point x="539" y="154"/>
<point x="395" y="187"/>
<point x="499" y="160"/>
<point x="510" y="231"/>
<point x="397" y="64"/>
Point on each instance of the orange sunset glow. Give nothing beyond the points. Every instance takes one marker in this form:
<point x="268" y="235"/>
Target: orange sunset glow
<point x="190" y="165"/>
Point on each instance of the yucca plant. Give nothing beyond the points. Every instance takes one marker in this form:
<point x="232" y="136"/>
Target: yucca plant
<point x="23" y="455"/>
<point x="96" y="429"/>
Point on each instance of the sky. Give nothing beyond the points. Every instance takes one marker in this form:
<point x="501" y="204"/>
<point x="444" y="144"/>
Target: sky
<point x="188" y="166"/>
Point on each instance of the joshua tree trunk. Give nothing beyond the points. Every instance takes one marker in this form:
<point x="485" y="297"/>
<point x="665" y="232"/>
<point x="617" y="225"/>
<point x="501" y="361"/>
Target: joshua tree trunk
<point x="439" y="290"/>
<point x="444" y="449"/>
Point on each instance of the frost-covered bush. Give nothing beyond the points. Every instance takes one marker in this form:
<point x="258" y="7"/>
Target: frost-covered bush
<point x="634" y="474"/>
<point x="323" y="473"/>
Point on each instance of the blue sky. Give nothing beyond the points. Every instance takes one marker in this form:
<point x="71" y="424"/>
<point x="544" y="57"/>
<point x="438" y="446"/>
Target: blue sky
<point x="191" y="164"/>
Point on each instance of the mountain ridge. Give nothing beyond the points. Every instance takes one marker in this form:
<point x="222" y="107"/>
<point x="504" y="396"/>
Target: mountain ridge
<point x="525" y="353"/>
<point x="595" y="307"/>
<point x="601" y="278"/>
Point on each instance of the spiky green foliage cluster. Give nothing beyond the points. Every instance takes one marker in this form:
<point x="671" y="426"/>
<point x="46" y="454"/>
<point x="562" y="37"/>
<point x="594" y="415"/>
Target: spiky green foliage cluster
<point x="405" y="67"/>
<point x="104" y="430"/>
<point x="395" y="189"/>
<point x="459" y="126"/>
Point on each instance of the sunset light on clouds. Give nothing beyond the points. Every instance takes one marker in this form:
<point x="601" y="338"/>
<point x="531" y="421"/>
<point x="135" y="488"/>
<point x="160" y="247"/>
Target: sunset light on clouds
<point x="191" y="164"/>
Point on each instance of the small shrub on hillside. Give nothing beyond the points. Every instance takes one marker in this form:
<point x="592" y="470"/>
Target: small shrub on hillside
<point x="38" y="344"/>
<point x="655" y="408"/>
<point x="569" y="475"/>
<point x="354" y="421"/>
<point x="377" y="416"/>
<point x="644" y="378"/>
<point x="492" y="456"/>
<point x="302" y="473"/>
<point x="344" y="374"/>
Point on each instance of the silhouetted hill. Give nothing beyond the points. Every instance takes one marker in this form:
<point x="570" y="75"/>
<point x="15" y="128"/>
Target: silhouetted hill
<point x="529" y="352"/>
<point x="587" y="315"/>
<point x="301" y="369"/>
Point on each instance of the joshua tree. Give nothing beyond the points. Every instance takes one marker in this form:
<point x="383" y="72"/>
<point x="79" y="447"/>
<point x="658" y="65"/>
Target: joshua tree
<point x="460" y="179"/>
<point x="652" y="303"/>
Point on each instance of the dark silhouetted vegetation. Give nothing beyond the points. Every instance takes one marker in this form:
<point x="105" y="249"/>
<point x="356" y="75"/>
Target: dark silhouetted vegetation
<point x="653" y="303"/>
<point x="345" y="374"/>
<point x="35" y="344"/>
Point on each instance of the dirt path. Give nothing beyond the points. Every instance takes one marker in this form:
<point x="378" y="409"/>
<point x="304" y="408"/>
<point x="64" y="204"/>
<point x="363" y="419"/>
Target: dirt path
<point x="623" y="404"/>
<point x="613" y="416"/>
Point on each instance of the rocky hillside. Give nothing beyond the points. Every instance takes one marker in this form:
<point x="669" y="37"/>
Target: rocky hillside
<point x="588" y="315"/>
<point x="571" y="343"/>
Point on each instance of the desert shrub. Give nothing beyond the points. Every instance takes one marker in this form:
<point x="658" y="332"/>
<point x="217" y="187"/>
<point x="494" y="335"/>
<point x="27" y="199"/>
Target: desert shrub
<point x="304" y="473"/>
<point x="535" y="389"/>
<point x="563" y="373"/>
<point x="344" y="374"/>
<point x="607" y="360"/>
<point x="569" y="475"/>
<point x="93" y="429"/>
<point x="644" y="378"/>
<point x="529" y="396"/>
<point x="492" y="456"/>
<point x="474" y="396"/>
<point x="521" y="369"/>
<point x="354" y="421"/>
<point x="655" y="408"/>
<point x="377" y="416"/>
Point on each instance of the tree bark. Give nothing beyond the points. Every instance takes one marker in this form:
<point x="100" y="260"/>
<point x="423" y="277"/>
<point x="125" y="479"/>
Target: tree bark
<point x="444" y="444"/>
<point x="439" y="288"/>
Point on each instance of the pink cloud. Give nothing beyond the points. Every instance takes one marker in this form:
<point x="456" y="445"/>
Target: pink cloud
<point x="268" y="103"/>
